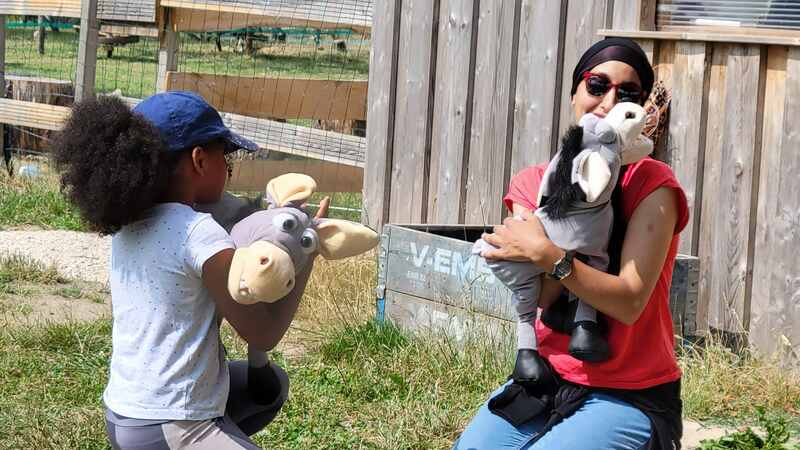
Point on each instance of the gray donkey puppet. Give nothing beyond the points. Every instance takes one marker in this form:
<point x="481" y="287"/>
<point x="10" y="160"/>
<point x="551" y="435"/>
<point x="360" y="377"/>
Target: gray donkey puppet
<point x="577" y="215"/>
<point x="274" y="247"/>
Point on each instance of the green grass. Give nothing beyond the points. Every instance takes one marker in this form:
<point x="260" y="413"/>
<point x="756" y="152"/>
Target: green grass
<point x="17" y="268"/>
<point x="36" y="202"/>
<point x="132" y="69"/>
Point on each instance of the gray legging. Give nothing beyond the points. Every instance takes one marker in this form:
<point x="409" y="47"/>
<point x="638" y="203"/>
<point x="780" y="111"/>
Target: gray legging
<point x="243" y="417"/>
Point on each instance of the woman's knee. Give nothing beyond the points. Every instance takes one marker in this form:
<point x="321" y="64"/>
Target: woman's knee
<point x="603" y="422"/>
<point x="487" y="430"/>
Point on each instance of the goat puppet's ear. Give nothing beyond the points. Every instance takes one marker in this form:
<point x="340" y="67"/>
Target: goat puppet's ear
<point x="592" y="174"/>
<point x="290" y="189"/>
<point x="340" y="239"/>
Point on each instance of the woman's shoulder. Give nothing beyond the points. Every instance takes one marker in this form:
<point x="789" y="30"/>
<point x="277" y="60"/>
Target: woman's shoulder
<point x="523" y="188"/>
<point x="643" y="178"/>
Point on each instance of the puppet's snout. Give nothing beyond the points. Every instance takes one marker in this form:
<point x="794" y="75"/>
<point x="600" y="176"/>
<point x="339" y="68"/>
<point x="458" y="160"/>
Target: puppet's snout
<point x="262" y="272"/>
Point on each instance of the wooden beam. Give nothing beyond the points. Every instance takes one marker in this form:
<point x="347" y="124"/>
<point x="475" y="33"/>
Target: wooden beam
<point x="770" y="307"/>
<point x="492" y="113"/>
<point x="214" y="15"/>
<point x="584" y="18"/>
<point x="87" y="51"/>
<point x="537" y="99"/>
<point x="253" y="175"/>
<point x="708" y="36"/>
<point x="381" y="113"/>
<point x="2" y="72"/>
<point x="740" y="155"/>
<point x="293" y="139"/>
<point x="686" y="140"/>
<point x="286" y="98"/>
<point x="412" y="122"/>
<point x="321" y="145"/>
<point x="130" y="30"/>
<point x="451" y="109"/>
<point x="33" y="115"/>
<point x="167" y="52"/>
<point x="58" y="8"/>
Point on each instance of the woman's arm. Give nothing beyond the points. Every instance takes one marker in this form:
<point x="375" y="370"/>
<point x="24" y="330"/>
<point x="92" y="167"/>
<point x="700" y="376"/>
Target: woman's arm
<point x="644" y="250"/>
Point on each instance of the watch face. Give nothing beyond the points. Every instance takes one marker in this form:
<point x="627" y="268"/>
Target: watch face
<point x="563" y="268"/>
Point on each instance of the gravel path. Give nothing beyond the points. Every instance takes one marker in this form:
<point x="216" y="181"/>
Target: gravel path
<point x="84" y="256"/>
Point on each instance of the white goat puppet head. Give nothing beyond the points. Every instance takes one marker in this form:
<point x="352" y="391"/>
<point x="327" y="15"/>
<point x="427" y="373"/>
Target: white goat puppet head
<point x="602" y="146"/>
<point x="276" y="243"/>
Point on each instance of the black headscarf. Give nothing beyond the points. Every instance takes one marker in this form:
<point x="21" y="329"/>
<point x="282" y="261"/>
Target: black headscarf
<point x="615" y="49"/>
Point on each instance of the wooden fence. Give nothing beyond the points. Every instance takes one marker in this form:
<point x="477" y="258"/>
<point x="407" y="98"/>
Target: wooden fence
<point x="465" y="93"/>
<point x="255" y="107"/>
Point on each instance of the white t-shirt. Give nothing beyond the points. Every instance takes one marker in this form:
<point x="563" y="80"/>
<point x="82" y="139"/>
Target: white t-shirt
<point x="167" y="360"/>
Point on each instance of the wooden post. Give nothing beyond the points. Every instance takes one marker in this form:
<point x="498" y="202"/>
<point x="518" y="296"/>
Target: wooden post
<point x="2" y="74"/>
<point x="87" y="51"/>
<point x="40" y="33"/>
<point x="167" y="50"/>
<point x="381" y="112"/>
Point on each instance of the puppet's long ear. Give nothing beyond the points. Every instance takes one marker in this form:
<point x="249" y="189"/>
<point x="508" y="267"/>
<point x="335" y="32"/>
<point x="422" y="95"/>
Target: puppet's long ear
<point x="341" y="238"/>
<point x="593" y="174"/>
<point x="290" y="189"/>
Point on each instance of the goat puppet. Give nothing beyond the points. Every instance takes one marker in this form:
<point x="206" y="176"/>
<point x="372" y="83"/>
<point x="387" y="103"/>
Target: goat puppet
<point x="275" y="245"/>
<point x="577" y="215"/>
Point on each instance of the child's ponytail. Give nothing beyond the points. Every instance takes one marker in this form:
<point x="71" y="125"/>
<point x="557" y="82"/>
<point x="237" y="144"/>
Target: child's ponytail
<point x="113" y="163"/>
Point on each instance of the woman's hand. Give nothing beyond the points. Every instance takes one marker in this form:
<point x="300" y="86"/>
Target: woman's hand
<point x="523" y="240"/>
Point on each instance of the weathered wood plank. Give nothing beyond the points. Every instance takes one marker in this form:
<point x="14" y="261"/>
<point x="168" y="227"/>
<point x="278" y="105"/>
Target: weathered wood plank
<point x="711" y="181"/>
<point x="772" y="38"/>
<point x="287" y="98"/>
<point x="58" y="8"/>
<point x="451" y="109"/>
<point x="299" y="140"/>
<point x="2" y="70"/>
<point x="538" y="83"/>
<point x="253" y="175"/>
<point x="445" y="271"/>
<point x="86" y="66"/>
<point x="729" y="309"/>
<point x="686" y="140"/>
<point x="427" y="264"/>
<point x="409" y="159"/>
<point x="420" y="315"/>
<point x="584" y="18"/>
<point x="33" y="115"/>
<point x="308" y="13"/>
<point x="768" y="311"/>
<point x="167" y="53"/>
<point x="489" y="150"/>
<point x="381" y="113"/>
<point x="786" y="238"/>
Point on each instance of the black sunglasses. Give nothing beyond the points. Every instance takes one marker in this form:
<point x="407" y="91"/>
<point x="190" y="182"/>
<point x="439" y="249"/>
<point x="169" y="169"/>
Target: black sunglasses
<point x="598" y="84"/>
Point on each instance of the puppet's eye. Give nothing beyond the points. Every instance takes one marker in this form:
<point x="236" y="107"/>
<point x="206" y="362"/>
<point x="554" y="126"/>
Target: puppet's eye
<point x="308" y="241"/>
<point x="285" y="222"/>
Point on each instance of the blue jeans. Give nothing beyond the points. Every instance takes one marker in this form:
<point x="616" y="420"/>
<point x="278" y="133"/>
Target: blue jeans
<point x="602" y="423"/>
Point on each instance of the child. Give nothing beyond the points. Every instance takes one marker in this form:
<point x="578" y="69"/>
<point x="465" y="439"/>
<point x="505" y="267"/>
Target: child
<point x="137" y="175"/>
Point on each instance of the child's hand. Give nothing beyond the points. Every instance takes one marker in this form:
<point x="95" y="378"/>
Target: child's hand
<point x="322" y="212"/>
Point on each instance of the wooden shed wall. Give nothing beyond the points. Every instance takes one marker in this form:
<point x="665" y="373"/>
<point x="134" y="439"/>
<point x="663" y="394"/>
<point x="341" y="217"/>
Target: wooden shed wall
<point x="465" y="93"/>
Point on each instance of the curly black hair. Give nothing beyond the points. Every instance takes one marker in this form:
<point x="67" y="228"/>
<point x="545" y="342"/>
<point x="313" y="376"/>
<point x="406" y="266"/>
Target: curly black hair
<point x="114" y="164"/>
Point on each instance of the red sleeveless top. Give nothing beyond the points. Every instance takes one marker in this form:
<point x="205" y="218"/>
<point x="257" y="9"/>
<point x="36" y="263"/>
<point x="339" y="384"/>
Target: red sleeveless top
<point x="643" y="354"/>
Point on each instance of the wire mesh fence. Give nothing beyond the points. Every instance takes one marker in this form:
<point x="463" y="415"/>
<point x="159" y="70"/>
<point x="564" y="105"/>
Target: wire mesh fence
<point x="290" y="75"/>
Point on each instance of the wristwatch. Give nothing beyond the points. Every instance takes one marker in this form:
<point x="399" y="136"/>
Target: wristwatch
<point x="563" y="267"/>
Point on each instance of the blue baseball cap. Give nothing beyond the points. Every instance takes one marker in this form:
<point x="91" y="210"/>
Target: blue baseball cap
<point x="185" y="120"/>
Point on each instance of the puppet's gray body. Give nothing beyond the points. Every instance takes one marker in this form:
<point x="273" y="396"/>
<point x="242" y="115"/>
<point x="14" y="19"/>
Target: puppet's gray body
<point x="585" y="230"/>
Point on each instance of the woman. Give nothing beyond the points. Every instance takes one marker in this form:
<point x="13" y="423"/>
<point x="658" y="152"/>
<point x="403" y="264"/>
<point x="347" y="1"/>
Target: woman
<point x="632" y="400"/>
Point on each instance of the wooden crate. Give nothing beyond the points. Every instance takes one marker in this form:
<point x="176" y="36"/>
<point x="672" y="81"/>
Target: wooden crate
<point x="429" y="280"/>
